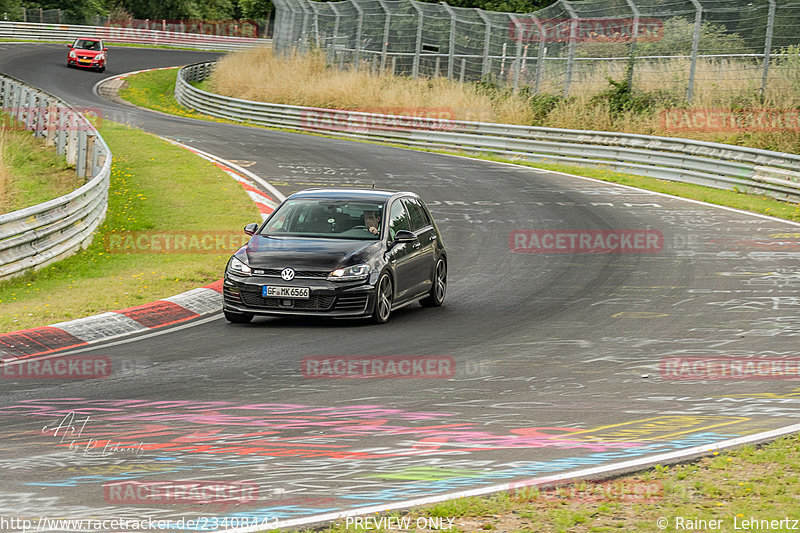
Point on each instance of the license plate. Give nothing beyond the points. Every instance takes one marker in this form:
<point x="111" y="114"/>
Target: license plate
<point x="299" y="293"/>
<point x="85" y="60"/>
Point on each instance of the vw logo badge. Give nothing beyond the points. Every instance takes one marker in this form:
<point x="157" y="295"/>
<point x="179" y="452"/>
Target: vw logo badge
<point x="287" y="274"/>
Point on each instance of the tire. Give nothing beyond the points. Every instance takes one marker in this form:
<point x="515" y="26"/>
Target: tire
<point x="439" y="288"/>
<point x="383" y="299"/>
<point x="237" y="318"/>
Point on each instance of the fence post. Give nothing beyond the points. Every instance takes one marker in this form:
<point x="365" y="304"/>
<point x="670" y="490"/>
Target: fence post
<point x="698" y="21"/>
<point x="487" y="40"/>
<point x="314" y="7"/>
<point x="386" y="27"/>
<point x="418" y="47"/>
<point x="518" y="59"/>
<point x="573" y="37"/>
<point x="634" y="39"/>
<point x="359" y="31"/>
<point x="540" y="56"/>
<point x="304" y="30"/>
<point x="768" y="46"/>
<point x="336" y="31"/>
<point x="451" y="48"/>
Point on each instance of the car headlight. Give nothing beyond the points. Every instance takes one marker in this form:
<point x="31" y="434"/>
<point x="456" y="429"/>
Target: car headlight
<point x="99" y="57"/>
<point x="351" y="273"/>
<point x="72" y="54"/>
<point x="238" y="267"/>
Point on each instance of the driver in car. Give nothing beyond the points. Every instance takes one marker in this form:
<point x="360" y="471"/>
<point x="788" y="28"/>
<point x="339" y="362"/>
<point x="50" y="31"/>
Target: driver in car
<point x="372" y="221"/>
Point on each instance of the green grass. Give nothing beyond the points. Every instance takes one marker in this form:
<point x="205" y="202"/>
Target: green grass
<point x="30" y="172"/>
<point x="750" y="482"/>
<point x="155" y="187"/>
<point x="155" y="90"/>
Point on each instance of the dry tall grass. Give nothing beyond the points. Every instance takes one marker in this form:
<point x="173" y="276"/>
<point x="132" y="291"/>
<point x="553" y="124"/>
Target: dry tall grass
<point x="6" y="181"/>
<point x="306" y="80"/>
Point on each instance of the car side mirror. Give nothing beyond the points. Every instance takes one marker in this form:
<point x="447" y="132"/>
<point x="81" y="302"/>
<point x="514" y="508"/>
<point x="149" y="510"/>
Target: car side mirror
<point x="404" y="236"/>
<point x="105" y="49"/>
<point x="251" y="228"/>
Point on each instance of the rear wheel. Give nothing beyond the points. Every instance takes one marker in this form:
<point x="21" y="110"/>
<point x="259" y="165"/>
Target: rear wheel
<point x="237" y="318"/>
<point x="439" y="287"/>
<point x="383" y="299"/>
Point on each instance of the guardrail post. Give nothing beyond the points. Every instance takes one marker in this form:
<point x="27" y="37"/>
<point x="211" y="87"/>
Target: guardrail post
<point x="61" y="131"/>
<point x="573" y="37"/>
<point x="451" y="47"/>
<point x="768" y="45"/>
<point x="83" y="145"/>
<point x="30" y="112"/>
<point x="487" y="41"/>
<point x="95" y="155"/>
<point x="52" y="124"/>
<point x="72" y="140"/>
<point x="698" y="21"/>
<point x="41" y="116"/>
<point x="418" y="47"/>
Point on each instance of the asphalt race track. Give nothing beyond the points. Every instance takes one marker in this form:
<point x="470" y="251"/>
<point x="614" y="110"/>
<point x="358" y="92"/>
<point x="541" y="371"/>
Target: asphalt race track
<point x="558" y="358"/>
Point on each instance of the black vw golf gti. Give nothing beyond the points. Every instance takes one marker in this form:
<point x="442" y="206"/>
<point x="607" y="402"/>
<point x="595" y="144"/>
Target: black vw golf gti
<point x="338" y="253"/>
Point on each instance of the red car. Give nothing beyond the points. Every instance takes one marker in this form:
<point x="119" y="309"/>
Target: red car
<point x="87" y="52"/>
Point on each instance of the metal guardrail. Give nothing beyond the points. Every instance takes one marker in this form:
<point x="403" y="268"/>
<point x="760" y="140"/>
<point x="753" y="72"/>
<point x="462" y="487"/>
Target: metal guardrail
<point x="41" y="234"/>
<point x="64" y="32"/>
<point x="721" y="166"/>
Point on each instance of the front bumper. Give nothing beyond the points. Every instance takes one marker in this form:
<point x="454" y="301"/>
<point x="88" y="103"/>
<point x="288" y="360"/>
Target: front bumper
<point x="242" y="294"/>
<point x="93" y="64"/>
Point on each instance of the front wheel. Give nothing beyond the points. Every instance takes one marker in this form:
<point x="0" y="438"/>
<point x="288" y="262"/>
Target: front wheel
<point x="439" y="287"/>
<point x="237" y="318"/>
<point x="383" y="300"/>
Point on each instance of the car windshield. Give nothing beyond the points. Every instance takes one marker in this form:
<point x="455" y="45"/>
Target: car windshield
<point x="85" y="44"/>
<point x="331" y="219"/>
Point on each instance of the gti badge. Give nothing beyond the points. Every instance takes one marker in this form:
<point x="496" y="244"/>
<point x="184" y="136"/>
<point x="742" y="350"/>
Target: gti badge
<point x="287" y="274"/>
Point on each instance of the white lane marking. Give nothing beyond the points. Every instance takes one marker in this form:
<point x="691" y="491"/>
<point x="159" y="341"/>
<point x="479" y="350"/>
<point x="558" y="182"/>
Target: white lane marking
<point x="611" y="183"/>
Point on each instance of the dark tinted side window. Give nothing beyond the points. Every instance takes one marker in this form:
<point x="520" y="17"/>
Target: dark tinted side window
<point x="419" y="218"/>
<point x="398" y="219"/>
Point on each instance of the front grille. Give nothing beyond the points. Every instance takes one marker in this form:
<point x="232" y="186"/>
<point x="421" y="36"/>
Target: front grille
<point x="351" y="303"/>
<point x="276" y="272"/>
<point x="314" y="303"/>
